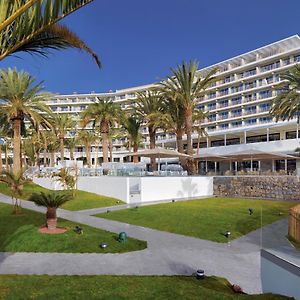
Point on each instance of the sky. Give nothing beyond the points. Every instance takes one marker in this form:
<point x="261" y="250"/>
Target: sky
<point x="139" y="40"/>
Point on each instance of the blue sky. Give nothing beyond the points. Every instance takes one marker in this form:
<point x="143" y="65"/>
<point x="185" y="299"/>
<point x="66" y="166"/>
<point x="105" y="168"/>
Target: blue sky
<point x="138" y="41"/>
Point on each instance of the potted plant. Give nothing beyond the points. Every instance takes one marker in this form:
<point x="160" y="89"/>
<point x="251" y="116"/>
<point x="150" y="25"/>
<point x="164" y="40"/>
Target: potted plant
<point x="51" y="201"/>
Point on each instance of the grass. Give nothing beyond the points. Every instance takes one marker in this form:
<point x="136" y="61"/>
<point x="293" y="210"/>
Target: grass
<point x="19" y="233"/>
<point x="119" y="287"/>
<point x="207" y="219"/>
<point x="82" y="199"/>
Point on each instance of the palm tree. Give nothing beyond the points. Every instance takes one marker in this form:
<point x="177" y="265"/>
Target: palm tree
<point x="16" y="182"/>
<point x="147" y="106"/>
<point x="286" y="105"/>
<point x="185" y="85"/>
<point x="71" y="144"/>
<point x="30" y="26"/>
<point x="132" y="125"/>
<point x="62" y="124"/>
<point x="22" y="98"/>
<point x="87" y="138"/>
<point x="51" y="201"/>
<point x="106" y="114"/>
<point x="52" y="147"/>
<point x="198" y="118"/>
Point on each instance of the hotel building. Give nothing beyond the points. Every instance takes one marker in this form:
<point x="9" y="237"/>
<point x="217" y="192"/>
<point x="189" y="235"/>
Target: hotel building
<point x="238" y="106"/>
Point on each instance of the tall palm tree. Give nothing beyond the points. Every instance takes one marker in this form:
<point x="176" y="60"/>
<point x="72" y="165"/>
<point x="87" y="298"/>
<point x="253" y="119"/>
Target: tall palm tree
<point x="198" y="118"/>
<point x="30" y="26"/>
<point x="132" y="125"/>
<point x="186" y="86"/>
<point x="87" y="138"/>
<point x="53" y="146"/>
<point x="71" y="144"/>
<point x="286" y="105"/>
<point x="62" y="124"/>
<point x="22" y="98"/>
<point x="147" y="106"/>
<point x="104" y="113"/>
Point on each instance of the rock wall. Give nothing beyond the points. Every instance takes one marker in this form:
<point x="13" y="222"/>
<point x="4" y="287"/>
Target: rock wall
<point x="267" y="187"/>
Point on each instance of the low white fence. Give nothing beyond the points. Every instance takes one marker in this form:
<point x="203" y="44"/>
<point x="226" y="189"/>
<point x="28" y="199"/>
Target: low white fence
<point x="140" y="189"/>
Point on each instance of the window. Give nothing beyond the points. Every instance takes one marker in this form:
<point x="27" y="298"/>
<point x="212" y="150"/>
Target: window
<point x="265" y="119"/>
<point x="212" y="117"/>
<point x="223" y="115"/>
<point x="64" y="108"/>
<point x="82" y="107"/>
<point x="236" y="113"/>
<point x="217" y="143"/>
<point x="250" y="73"/>
<point x="297" y="58"/>
<point x="250" y="110"/>
<point x="250" y="121"/>
<point x="54" y="108"/>
<point x="264" y="107"/>
<point x="263" y="138"/>
<point x="250" y="85"/>
<point x="270" y="67"/>
<point x="224" y="92"/>
<point x="265" y="94"/>
<point x="211" y="95"/>
<point x="250" y="97"/>
<point x="200" y="107"/>
<point x="224" y="126"/>
<point x="223" y="103"/>
<point x="235" y="141"/>
<point x="236" y="124"/>
<point x="237" y="100"/>
<point x="286" y="61"/>
<point x="291" y="135"/>
<point x="211" y="106"/>
<point x="211" y="128"/>
<point x="237" y="88"/>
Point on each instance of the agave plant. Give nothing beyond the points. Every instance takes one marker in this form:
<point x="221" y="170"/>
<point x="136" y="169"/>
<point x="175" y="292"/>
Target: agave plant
<point x="16" y="182"/>
<point x="51" y="201"/>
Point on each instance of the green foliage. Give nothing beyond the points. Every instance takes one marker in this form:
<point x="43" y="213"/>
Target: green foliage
<point x="121" y="287"/>
<point x="50" y="200"/>
<point x="207" y="218"/>
<point x="67" y="180"/>
<point x="286" y="105"/>
<point x="20" y="234"/>
<point x="30" y="26"/>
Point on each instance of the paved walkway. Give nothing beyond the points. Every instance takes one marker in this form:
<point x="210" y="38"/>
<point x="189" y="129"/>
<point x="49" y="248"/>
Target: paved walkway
<point x="167" y="254"/>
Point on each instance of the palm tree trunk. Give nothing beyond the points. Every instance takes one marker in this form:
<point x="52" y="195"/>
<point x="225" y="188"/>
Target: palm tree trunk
<point x="72" y="153"/>
<point x="6" y="156"/>
<point x="52" y="159"/>
<point x="45" y="153"/>
<point x="51" y="218"/>
<point x="179" y="134"/>
<point x="62" y="147"/>
<point x="88" y="154"/>
<point x="16" y="145"/>
<point x="152" y="133"/>
<point x="110" y="150"/>
<point x="97" y="152"/>
<point x="198" y="144"/>
<point x="135" y="149"/>
<point x="189" y="128"/>
<point x="104" y="134"/>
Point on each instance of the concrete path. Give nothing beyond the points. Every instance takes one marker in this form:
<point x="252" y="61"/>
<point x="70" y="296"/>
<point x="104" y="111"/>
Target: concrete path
<point x="167" y="254"/>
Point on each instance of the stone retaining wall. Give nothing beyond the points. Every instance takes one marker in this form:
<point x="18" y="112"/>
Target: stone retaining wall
<point x="267" y="187"/>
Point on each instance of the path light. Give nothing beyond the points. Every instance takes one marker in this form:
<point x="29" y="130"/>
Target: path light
<point x="173" y="200"/>
<point x="122" y="237"/>
<point x="108" y="211"/>
<point x="251" y="211"/>
<point x="136" y="207"/>
<point x="227" y="234"/>
<point x="78" y="230"/>
<point x="200" y="274"/>
<point x="103" y="245"/>
<point x="280" y="213"/>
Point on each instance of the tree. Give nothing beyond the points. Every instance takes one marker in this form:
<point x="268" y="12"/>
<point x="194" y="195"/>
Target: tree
<point x="16" y="182"/>
<point x="147" y="105"/>
<point x="132" y="125"/>
<point x="71" y="144"/>
<point x="67" y="180"/>
<point x="51" y="201"/>
<point x="62" y="124"/>
<point x="106" y="114"/>
<point x="286" y="105"/>
<point x="198" y="118"/>
<point x="30" y="26"/>
<point x="186" y="86"/>
<point x="87" y="138"/>
<point x="22" y="98"/>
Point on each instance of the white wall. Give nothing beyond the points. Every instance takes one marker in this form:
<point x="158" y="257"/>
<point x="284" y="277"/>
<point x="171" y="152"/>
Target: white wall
<point x="117" y="187"/>
<point x="167" y="188"/>
<point x="140" y="189"/>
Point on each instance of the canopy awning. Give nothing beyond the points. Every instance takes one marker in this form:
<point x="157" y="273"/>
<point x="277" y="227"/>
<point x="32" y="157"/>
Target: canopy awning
<point x="159" y="152"/>
<point x="245" y="155"/>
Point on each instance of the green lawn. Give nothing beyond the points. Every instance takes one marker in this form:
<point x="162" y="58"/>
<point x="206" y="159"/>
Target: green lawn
<point x="19" y="233"/>
<point x="206" y="219"/>
<point x="119" y="287"/>
<point x="82" y="200"/>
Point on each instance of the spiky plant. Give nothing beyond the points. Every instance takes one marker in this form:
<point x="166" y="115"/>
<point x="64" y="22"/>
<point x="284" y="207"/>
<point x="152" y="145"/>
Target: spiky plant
<point x="16" y="183"/>
<point x="51" y="201"/>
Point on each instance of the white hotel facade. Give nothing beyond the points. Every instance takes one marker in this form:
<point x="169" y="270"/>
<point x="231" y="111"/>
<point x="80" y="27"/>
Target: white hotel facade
<point x="238" y="107"/>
